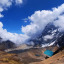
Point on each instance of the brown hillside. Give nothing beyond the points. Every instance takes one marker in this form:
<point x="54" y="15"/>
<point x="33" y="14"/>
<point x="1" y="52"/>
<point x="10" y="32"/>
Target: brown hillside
<point x="31" y="56"/>
<point x="56" y="59"/>
<point x="6" y="58"/>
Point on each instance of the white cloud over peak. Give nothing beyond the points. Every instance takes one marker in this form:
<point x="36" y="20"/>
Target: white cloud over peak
<point x="48" y="37"/>
<point x="41" y="18"/>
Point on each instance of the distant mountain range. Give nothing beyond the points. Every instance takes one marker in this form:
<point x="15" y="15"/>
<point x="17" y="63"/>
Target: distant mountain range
<point x="6" y="44"/>
<point x="50" y="36"/>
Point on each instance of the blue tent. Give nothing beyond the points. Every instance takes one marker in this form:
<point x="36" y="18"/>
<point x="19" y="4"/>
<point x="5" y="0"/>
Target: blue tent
<point x="49" y="53"/>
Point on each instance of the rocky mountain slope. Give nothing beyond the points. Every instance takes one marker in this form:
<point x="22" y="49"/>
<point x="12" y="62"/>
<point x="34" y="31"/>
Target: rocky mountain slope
<point x="50" y="39"/>
<point x="31" y="56"/>
<point x="56" y="59"/>
<point x="48" y="36"/>
<point x="6" y="44"/>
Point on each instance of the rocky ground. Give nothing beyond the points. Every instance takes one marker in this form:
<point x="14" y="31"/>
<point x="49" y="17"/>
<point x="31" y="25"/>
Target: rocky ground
<point x="56" y="59"/>
<point x="31" y="56"/>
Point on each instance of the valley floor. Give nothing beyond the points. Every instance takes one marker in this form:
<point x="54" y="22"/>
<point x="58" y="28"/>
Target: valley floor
<point x="31" y="56"/>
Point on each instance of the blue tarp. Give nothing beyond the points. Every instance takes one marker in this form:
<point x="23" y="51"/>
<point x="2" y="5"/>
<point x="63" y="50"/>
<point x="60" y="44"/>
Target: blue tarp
<point x="49" y="53"/>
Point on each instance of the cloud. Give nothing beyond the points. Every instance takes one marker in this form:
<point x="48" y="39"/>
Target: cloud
<point x="5" y="4"/>
<point x="18" y="1"/>
<point x="1" y="9"/>
<point x="1" y="25"/>
<point x="14" y="37"/>
<point x="47" y="37"/>
<point x="60" y="23"/>
<point x="25" y="20"/>
<point x="4" y="34"/>
<point x="8" y="3"/>
<point x="1" y="15"/>
<point x="41" y="18"/>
